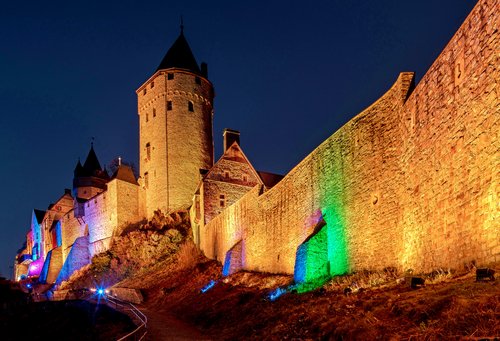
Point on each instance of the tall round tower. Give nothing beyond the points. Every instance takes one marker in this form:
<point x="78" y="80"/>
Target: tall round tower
<point x="175" y="107"/>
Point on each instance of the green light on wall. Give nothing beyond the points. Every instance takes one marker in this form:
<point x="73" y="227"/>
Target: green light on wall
<point x="338" y="255"/>
<point x="323" y="254"/>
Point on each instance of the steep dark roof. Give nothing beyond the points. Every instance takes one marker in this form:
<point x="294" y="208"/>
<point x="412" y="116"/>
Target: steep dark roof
<point x="39" y="214"/>
<point x="91" y="164"/>
<point x="91" y="168"/>
<point x="125" y="173"/>
<point x="270" y="179"/>
<point x="78" y="169"/>
<point x="180" y="56"/>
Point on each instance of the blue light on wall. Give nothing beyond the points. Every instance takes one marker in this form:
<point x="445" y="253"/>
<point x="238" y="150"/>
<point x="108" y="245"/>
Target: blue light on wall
<point x="59" y="234"/>
<point x="273" y="295"/>
<point x="209" y="286"/>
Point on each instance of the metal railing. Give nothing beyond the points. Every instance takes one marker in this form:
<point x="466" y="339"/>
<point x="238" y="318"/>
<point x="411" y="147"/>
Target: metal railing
<point x="140" y="332"/>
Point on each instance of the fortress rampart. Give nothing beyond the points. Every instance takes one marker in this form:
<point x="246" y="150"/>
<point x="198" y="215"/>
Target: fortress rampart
<point x="411" y="182"/>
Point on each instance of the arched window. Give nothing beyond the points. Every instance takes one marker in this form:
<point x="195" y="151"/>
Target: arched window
<point x="148" y="151"/>
<point x="190" y="106"/>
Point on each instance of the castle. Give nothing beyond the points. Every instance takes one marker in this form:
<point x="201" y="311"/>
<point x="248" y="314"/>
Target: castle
<point x="410" y="182"/>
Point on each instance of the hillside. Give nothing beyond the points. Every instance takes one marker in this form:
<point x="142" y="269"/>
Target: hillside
<point x="171" y="273"/>
<point x="239" y="306"/>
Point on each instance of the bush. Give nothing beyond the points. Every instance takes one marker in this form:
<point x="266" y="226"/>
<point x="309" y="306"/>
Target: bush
<point x="187" y="255"/>
<point x="101" y="262"/>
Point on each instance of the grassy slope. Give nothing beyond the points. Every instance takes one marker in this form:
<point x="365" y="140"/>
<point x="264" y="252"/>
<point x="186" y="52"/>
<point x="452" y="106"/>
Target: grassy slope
<point x="160" y="259"/>
<point x="237" y="307"/>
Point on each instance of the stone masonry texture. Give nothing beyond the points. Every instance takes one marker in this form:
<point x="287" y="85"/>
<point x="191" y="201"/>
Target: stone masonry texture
<point x="410" y="182"/>
<point x="175" y="143"/>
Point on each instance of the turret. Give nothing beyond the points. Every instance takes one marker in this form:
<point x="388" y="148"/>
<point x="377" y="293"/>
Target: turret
<point x="89" y="179"/>
<point x="175" y="107"/>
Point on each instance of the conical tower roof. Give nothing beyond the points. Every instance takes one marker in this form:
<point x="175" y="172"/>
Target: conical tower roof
<point x="91" y="165"/>
<point x="78" y="169"/>
<point x="180" y="56"/>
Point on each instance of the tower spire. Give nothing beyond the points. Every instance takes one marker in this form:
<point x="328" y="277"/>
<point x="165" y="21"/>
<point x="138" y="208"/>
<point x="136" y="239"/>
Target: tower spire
<point x="182" y="25"/>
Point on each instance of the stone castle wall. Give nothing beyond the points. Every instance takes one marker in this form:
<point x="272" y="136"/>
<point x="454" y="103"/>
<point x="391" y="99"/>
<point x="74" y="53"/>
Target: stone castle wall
<point x="329" y="184"/>
<point x="57" y="211"/>
<point x="100" y="218"/>
<point x="404" y="184"/>
<point x="109" y="211"/>
<point x="180" y="141"/>
<point x="450" y="167"/>
<point x="72" y="228"/>
<point x="128" y="209"/>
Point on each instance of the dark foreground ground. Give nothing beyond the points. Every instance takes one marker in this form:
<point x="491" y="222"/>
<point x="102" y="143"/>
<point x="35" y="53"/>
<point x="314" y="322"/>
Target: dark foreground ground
<point x="450" y="306"/>
<point x="63" y="320"/>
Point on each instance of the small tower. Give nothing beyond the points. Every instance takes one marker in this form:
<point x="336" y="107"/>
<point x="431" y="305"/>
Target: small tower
<point x="175" y="107"/>
<point x="89" y="179"/>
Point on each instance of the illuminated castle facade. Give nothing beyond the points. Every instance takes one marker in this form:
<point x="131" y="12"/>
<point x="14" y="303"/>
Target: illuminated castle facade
<point x="410" y="182"/>
<point x="175" y="107"/>
<point x="81" y="222"/>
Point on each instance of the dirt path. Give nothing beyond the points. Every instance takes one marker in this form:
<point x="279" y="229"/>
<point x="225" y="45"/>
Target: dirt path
<point x="163" y="326"/>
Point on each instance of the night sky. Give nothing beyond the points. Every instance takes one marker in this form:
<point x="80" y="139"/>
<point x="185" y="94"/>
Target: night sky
<point x="287" y="74"/>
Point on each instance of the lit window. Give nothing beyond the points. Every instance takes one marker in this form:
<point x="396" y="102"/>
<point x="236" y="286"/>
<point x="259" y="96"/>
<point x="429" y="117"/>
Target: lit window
<point x="190" y="106"/>
<point x="154" y="112"/>
<point x="170" y="76"/>
<point x="222" y="200"/>
<point x="169" y="105"/>
<point x="148" y="151"/>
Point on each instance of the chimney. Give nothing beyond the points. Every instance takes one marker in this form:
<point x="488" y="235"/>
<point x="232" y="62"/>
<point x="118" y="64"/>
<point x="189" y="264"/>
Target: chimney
<point x="230" y="136"/>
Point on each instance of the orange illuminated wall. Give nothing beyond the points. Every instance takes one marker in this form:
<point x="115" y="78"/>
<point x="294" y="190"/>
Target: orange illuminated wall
<point x="449" y="201"/>
<point x="410" y="182"/>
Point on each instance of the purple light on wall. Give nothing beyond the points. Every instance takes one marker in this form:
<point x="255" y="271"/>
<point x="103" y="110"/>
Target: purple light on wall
<point x="35" y="267"/>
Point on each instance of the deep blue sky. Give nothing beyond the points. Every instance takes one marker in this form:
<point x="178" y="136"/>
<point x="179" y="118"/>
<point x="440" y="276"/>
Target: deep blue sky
<point x="287" y="74"/>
